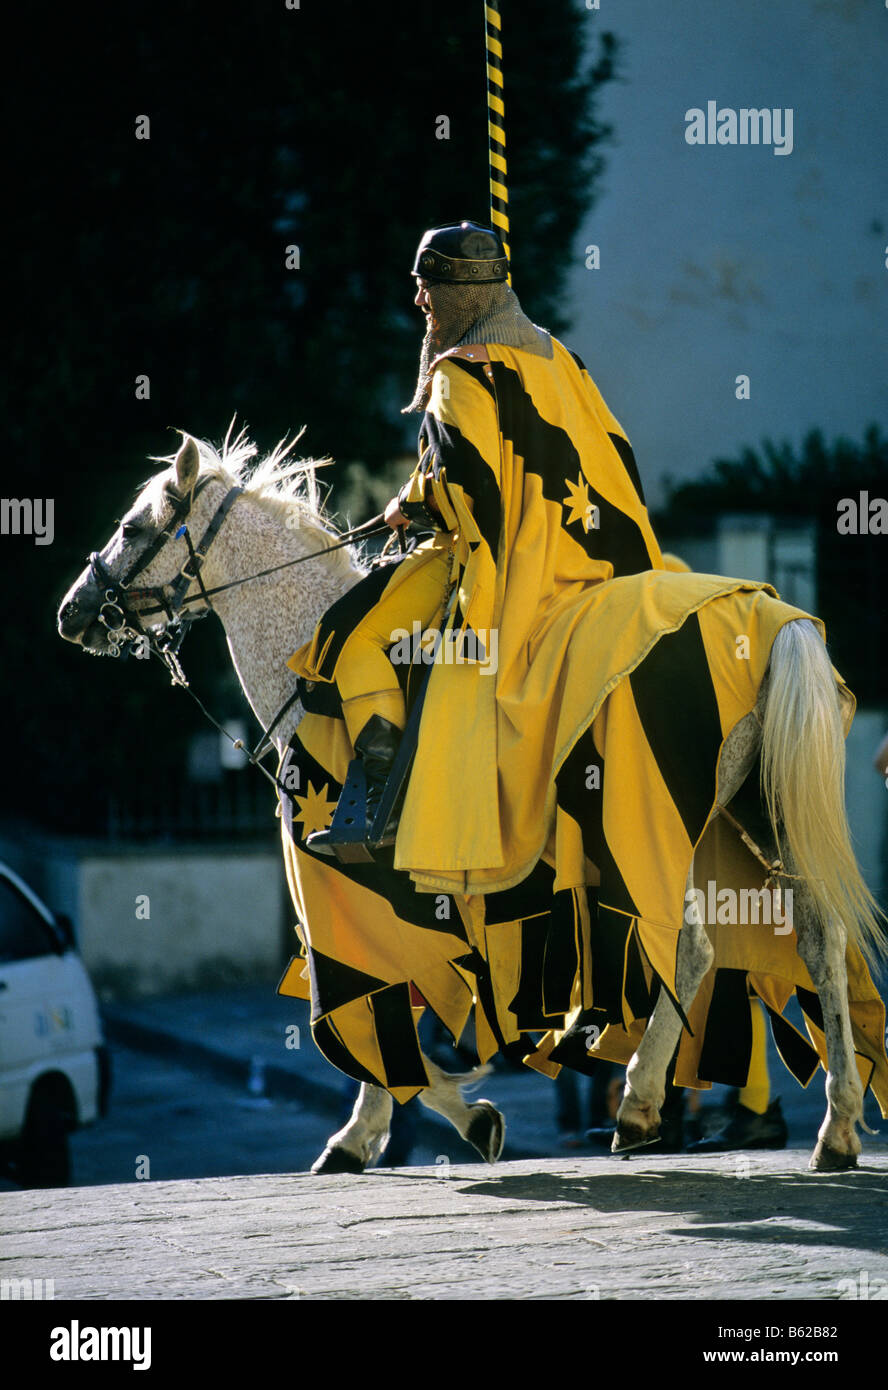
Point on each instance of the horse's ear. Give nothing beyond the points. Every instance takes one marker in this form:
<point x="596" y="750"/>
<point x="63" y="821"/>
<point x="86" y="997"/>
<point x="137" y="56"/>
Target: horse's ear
<point x="187" y="464"/>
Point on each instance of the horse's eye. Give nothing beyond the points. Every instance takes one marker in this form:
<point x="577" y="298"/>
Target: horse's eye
<point x="131" y="528"/>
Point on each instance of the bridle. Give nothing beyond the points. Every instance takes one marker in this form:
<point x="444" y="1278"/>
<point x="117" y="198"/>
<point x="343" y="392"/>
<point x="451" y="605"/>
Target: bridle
<point x="121" y="621"/>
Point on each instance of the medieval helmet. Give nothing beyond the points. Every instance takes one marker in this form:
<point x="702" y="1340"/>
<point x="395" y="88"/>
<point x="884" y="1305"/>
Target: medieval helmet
<point x="461" y="253"/>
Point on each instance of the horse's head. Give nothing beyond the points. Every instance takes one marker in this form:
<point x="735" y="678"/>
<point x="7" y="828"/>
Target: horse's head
<point x="148" y="568"/>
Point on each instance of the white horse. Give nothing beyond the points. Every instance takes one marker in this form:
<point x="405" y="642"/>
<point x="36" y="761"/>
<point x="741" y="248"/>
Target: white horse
<point x="277" y="516"/>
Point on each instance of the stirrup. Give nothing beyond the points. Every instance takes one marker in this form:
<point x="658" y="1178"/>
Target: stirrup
<point x="351" y="838"/>
<point x="365" y="819"/>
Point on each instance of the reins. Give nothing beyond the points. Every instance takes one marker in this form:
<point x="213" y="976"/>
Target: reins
<point x="363" y="532"/>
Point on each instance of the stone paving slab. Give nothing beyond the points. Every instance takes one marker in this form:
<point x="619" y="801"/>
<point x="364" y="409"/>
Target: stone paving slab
<point x="746" y="1227"/>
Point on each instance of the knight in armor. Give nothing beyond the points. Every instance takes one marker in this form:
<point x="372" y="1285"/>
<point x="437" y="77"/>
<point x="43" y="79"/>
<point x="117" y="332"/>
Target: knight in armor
<point x="531" y="487"/>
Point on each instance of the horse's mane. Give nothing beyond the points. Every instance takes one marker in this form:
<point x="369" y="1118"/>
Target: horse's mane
<point x="279" y="484"/>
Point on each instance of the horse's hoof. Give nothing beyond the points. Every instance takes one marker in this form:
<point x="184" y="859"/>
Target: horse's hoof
<point x="630" y="1136"/>
<point x="486" y="1131"/>
<point x="337" y="1160"/>
<point x="828" y="1160"/>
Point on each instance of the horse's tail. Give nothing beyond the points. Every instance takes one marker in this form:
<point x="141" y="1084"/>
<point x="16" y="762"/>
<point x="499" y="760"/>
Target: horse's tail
<point x="803" y="783"/>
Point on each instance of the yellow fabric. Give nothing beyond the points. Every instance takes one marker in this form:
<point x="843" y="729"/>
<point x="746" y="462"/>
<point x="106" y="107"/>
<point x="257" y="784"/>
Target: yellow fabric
<point x="340" y="919"/>
<point x="539" y="563"/>
<point x="775" y="969"/>
<point x="416" y="591"/>
<point x="530" y="591"/>
<point x="388" y="704"/>
<point x="756" y="1094"/>
<point x="648" y="840"/>
<point x="494" y="828"/>
<point x="364" y="656"/>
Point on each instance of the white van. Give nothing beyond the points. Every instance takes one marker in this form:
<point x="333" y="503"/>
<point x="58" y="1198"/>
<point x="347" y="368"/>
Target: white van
<point x="54" y="1069"/>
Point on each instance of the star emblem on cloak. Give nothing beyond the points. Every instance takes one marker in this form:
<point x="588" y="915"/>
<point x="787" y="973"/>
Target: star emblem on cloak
<point x="315" y="811"/>
<point x="577" y="500"/>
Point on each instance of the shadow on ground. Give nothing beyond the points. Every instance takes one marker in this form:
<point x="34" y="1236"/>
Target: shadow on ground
<point x="847" y="1210"/>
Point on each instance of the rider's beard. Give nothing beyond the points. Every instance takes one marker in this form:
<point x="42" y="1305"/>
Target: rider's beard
<point x="431" y="347"/>
<point x="453" y="310"/>
<point x="472" y="313"/>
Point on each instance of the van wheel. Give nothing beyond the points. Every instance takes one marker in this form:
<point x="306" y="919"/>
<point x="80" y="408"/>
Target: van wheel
<point x="43" y="1159"/>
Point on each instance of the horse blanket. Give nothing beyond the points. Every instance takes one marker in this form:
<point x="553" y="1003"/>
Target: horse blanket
<point x="556" y="799"/>
<point x="564" y="966"/>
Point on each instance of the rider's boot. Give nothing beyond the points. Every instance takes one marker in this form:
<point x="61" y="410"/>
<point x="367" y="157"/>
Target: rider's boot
<point x="376" y="747"/>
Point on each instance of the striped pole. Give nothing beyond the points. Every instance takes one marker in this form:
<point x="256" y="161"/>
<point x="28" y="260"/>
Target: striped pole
<point x="496" y="124"/>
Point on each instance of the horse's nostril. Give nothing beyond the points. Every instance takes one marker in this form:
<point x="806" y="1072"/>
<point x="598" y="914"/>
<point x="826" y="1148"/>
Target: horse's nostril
<point x="70" y="619"/>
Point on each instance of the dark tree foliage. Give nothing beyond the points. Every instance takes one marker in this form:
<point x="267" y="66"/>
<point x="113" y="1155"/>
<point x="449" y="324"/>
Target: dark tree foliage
<point x="270" y="127"/>
<point x="852" y="569"/>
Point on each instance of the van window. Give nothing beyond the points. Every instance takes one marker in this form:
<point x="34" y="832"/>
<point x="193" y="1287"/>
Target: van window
<point x="23" y="932"/>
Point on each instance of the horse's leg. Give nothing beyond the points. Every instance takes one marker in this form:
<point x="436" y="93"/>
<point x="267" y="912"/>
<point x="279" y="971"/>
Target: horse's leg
<point x="822" y="948"/>
<point x="480" y="1124"/>
<point x="363" y="1139"/>
<point x="638" y="1118"/>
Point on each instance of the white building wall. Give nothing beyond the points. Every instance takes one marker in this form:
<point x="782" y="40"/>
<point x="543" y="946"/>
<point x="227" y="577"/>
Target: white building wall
<point x="156" y="921"/>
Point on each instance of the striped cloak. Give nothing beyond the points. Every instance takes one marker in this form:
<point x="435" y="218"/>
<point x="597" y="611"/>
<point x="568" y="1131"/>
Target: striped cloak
<point x="556" y="803"/>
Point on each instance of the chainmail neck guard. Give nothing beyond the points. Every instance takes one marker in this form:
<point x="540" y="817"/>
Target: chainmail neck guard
<point x="463" y="314"/>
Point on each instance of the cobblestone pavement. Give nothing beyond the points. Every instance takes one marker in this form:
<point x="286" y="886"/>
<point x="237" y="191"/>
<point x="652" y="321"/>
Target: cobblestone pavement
<point x="755" y="1226"/>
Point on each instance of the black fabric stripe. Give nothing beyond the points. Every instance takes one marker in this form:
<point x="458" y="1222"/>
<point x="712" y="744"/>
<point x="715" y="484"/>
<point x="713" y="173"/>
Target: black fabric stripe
<point x="678" y="710"/>
<point x="527" y="899"/>
<point x="608" y="948"/>
<point x="466" y="467"/>
<point x="334" y="984"/>
<point x="624" y="449"/>
<point x="796" y="1053"/>
<point x="586" y="805"/>
<point x="584" y="935"/>
<point x="330" y="1044"/>
<point x="527" y="1005"/>
<point x="613" y="910"/>
<point x="560" y="958"/>
<point x="579" y="361"/>
<point x="319" y="697"/>
<point x="396" y="1035"/>
<point x="571" y="1050"/>
<point x="639" y="997"/>
<point x="549" y="452"/>
<point x="381" y="878"/>
<point x="515" y="1051"/>
<point x="727" y="1043"/>
<point x="810" y="1004"/>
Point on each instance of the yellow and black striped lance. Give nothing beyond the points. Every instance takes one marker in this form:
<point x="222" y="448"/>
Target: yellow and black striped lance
<point x="496" y="124"/>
